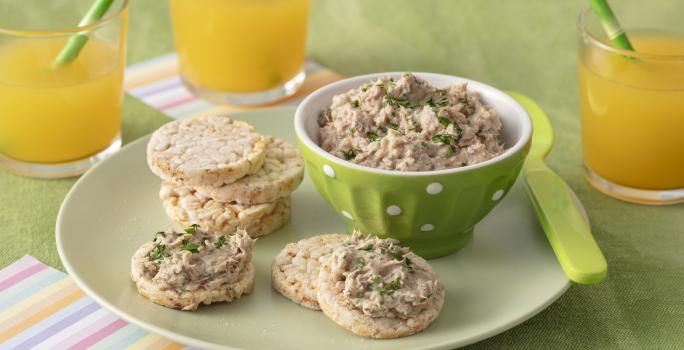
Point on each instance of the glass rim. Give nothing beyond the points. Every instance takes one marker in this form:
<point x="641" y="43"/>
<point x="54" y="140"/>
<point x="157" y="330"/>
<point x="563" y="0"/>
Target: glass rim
<point x="585" y="32"/>
<point x="71" y="30"/>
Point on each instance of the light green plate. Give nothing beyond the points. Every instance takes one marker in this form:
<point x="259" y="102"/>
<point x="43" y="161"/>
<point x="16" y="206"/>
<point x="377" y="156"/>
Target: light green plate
<point x="504" y="276"/>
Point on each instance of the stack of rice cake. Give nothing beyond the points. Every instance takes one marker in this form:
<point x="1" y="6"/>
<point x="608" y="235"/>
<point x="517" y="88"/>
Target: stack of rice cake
<point x="220" y="174"/>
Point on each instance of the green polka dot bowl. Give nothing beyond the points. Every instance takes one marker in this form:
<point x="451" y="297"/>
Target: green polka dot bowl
<point x="432" y="212"/>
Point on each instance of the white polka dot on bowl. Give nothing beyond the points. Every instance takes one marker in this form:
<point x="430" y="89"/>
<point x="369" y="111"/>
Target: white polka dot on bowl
<point x="497" y="195"/>
<point x="393" y="210"/>
<point x="434" y="188"/>
<point x="427" y="227"/>
<point x="328" y="170"/>
<point x="347" y="215"/>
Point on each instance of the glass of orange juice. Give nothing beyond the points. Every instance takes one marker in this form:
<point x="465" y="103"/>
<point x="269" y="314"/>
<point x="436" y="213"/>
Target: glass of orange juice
<point x="57" y="118"/>
<point x="632" y="106"/>
<point x="241" y="52"/>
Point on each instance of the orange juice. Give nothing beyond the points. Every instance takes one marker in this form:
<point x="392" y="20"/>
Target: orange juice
<point x="239" y="46"/>
<point x="633" y="113"/>
<point x="51" y="115"/>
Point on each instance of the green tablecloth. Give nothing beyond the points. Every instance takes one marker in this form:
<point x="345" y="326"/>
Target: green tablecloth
<point x="522" y="45"/>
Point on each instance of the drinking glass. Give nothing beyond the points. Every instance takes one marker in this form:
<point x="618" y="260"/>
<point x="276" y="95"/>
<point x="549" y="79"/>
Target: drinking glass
<point x="241" y="52"/>
<point x="58" y="118"/>
<point x="632" y="105"/>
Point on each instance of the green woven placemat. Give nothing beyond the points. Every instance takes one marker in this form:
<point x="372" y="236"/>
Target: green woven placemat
<point x="521" y="45"/>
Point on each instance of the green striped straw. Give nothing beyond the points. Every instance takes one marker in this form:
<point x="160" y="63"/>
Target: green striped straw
<point x="76" y="42"/>
<point x="611" y="25"/>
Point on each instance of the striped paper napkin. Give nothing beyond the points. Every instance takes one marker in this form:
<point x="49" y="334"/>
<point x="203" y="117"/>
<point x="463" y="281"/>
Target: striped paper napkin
<point x="157" y="83"/>
<point x="42" y="308"/>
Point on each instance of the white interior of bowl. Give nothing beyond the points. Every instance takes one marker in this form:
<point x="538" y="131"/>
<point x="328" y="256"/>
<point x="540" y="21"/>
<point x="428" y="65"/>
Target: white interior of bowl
<point x="516" y="124"/>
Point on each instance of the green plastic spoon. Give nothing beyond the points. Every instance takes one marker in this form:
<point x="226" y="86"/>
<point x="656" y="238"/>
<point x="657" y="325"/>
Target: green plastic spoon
<point x="567" y="232"/>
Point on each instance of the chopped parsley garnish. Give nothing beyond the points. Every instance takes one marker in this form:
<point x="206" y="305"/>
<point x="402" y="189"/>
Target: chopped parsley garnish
<point x="397" y="256"/>
<point x="355" y="103"/>
<point x="368" y="248"/>
<point x="444" y="121"/>
<point x="349" y="155"/>
<point x="389" y="288"/>
<point x="191" y="247"/>
<point x="446" y="138"/>
<point x="158" y="253"/>
<point x="450" y="151"/>
<point x="393" y="126"/>
<point x="396" y="101"/>
<point x="441" y="138"/>
<point x="192" y="229"/>
<point x="360" y="263"/>
<point x="373" y="137"/>
<point x="431" y="103"/>
<point x="401" y="257"/>
<point x="469" y="107"/>
<point x="394" y="285"/>
<point x="376" y="279"/>
<point x="458" y="130"/>
<point x="389" y="83"/>
<point x="364" y="89"/>
<point x="442" y="102"/>
<point x="220" y="242"/>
